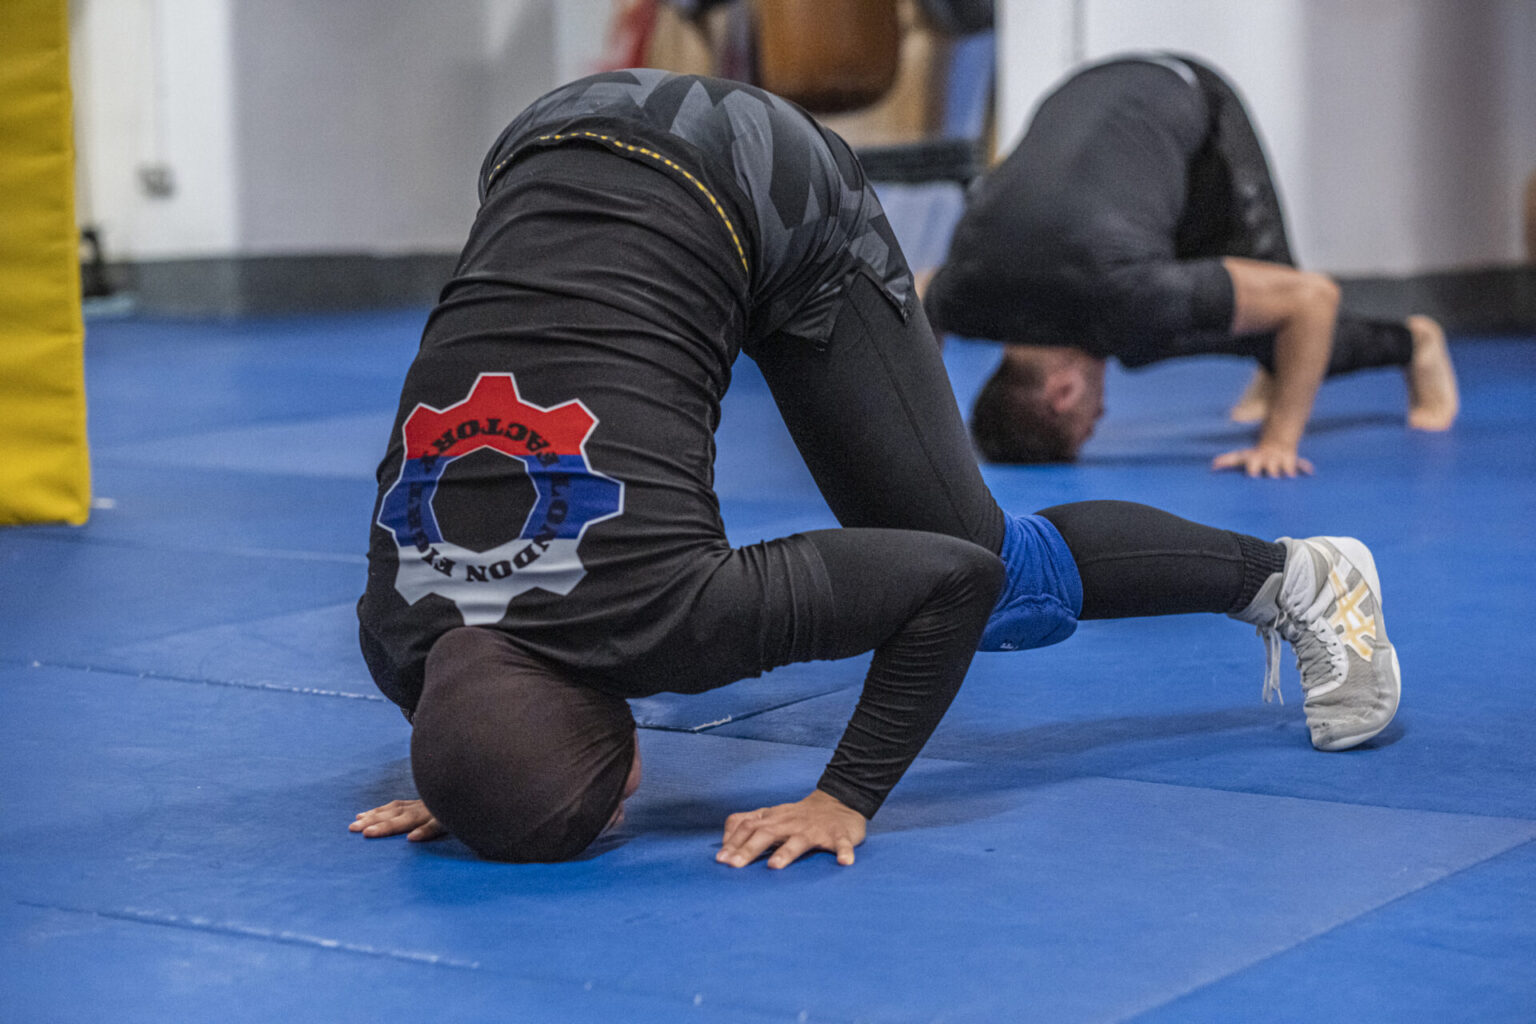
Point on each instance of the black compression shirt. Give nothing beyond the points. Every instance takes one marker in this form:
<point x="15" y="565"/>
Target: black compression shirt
<point x="551" y="466"/>
<point x="550" y="470"/>
<point x="1074" y="238"/>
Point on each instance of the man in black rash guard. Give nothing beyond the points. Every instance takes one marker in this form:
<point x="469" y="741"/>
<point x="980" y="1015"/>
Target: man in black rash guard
<point x="1137" y="220"/>
<point x="547" y="541"/>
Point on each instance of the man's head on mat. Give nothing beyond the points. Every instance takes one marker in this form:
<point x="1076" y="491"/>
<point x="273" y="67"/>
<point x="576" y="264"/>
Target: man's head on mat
<point x="513" y="758"/>
<point x="1040" y="405"/>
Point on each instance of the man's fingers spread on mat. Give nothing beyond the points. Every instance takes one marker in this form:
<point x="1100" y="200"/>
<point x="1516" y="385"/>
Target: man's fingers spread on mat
<point x="1226" y="460"/>
<point x="738" y="826"/>
<point x="753" y="847"/>
<point x="392" y="818"/>
<point x="820" y="822"/>
<point x="1263" y="461"/>
<point x="742" y="818"/>
<point x="387" y="826"/>
<point x="789" y="851"/>
<point x="732" y="827"/>
<point x="753" y="833"/>
<point x="430" y="830"/>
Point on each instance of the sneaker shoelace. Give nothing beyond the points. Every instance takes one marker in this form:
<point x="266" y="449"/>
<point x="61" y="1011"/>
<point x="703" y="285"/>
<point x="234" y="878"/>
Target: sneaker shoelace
<point x="1271" y="637"/>
<point x="1315" y="644"/>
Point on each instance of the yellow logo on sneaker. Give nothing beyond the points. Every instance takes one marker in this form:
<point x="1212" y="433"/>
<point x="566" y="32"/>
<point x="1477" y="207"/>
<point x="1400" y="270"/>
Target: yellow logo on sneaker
<point x="1355" y="626"/>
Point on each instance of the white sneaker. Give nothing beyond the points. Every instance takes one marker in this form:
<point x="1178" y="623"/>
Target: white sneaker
<point x="1327" y="603"/>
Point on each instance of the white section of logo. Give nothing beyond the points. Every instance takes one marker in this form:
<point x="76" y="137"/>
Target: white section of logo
<point x="482" y="583"/>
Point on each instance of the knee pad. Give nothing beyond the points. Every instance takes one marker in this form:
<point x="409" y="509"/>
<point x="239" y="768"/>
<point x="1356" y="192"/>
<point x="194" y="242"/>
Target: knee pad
<point x="1043" y="592"/>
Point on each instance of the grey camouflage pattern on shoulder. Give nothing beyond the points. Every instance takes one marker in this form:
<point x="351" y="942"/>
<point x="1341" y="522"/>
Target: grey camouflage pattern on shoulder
<point x="813" y="218"/>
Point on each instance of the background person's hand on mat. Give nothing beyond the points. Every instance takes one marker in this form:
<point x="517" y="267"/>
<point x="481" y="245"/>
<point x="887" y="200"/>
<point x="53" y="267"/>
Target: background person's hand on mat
<point x="398" y="816"/>
<point x="819" y="822"/>
<point x="1264" y="460"/>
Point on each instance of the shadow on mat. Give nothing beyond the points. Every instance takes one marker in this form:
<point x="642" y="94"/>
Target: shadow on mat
<point x="1133" y="448"/>
<point x="987" y="775"/>
<point x="1339" y="424"/>
<point x="1124" y="460"/>
<point x="968" y="776"/>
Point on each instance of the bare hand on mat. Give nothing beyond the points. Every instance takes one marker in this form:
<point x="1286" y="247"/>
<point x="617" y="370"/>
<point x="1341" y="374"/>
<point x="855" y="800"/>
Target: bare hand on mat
<point x="398" y="816"/>
<point x="819" y="822"/>
<point x="1264" y="460"/>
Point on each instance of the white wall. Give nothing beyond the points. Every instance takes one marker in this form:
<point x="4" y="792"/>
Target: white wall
<point x="152" y="86"/>
<point x="296" y="126"/>
<point x="358" y="124"/>
<point x="1399" y="130"/>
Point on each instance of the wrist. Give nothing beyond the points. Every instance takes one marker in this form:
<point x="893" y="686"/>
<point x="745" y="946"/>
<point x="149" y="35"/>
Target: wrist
<point x="1282" y="437"/>
<point x="825" y="799"/>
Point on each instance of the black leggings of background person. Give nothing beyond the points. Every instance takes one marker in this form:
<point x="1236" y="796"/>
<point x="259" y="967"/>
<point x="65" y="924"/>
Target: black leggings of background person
<point x="875" y="419"/>
<point x="1233" y="209"/>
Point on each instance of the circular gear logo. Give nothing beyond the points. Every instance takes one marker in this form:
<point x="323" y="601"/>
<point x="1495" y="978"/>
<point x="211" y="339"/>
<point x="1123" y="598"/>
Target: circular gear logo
<point x="569" y="497"/>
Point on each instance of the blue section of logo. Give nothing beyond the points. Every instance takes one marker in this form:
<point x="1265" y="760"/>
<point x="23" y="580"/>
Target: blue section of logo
<point x="407" y="507"/>
<point x="569" y="496"/>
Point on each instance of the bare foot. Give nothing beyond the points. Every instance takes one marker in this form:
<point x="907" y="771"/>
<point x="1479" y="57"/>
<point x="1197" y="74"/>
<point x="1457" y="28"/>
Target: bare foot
<point x="921" y="280"/>
<point x="1253" y="406"/>
<point x="1433" y="400"/>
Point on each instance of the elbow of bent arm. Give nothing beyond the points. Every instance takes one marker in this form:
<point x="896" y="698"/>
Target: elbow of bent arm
<point x="1320" y="292"/>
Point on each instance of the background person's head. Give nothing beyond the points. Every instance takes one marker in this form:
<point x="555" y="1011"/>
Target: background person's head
<point x="1040" y="405"/>
<point x="512" y="757"/>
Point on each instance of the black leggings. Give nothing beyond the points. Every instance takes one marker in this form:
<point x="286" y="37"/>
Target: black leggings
<point x="875" y="419"/>
<point x="921" y="600"/>
<point x="1136" y="560"/>
<point x="1233" y="209"/>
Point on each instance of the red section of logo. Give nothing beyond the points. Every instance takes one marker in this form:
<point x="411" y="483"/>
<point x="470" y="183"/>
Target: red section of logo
<point x="494" y="415"/>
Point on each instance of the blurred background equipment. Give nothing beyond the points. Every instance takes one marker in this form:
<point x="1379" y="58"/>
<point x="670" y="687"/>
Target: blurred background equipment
<point x="322" y="155"/>
<point x="1530" y="219"/>
<point x="45" y="472"/>
<point x="959" y="17"/>
<point x="828" y="55"/>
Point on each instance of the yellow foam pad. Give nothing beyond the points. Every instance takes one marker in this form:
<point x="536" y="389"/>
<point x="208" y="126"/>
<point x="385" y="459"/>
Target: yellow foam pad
<point x="44" y="462"/>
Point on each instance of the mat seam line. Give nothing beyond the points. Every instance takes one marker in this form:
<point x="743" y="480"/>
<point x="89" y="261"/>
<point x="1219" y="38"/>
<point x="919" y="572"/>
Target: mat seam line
<point x="208" y="926"/>
<point x="286" y="554"/>
<point x="305" y="691"/>
<point x="1529" y="841"/>
<point x="700" y="730"/>
<point x="205" y="926"/>
<point x="1308" y="799"/>
<point x="697" y="730"/>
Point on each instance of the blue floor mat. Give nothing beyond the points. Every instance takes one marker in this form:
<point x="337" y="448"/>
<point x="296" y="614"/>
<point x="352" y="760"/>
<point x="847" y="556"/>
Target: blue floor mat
<point x="1018" y="873"/>
<point x="1114" y="829"/>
